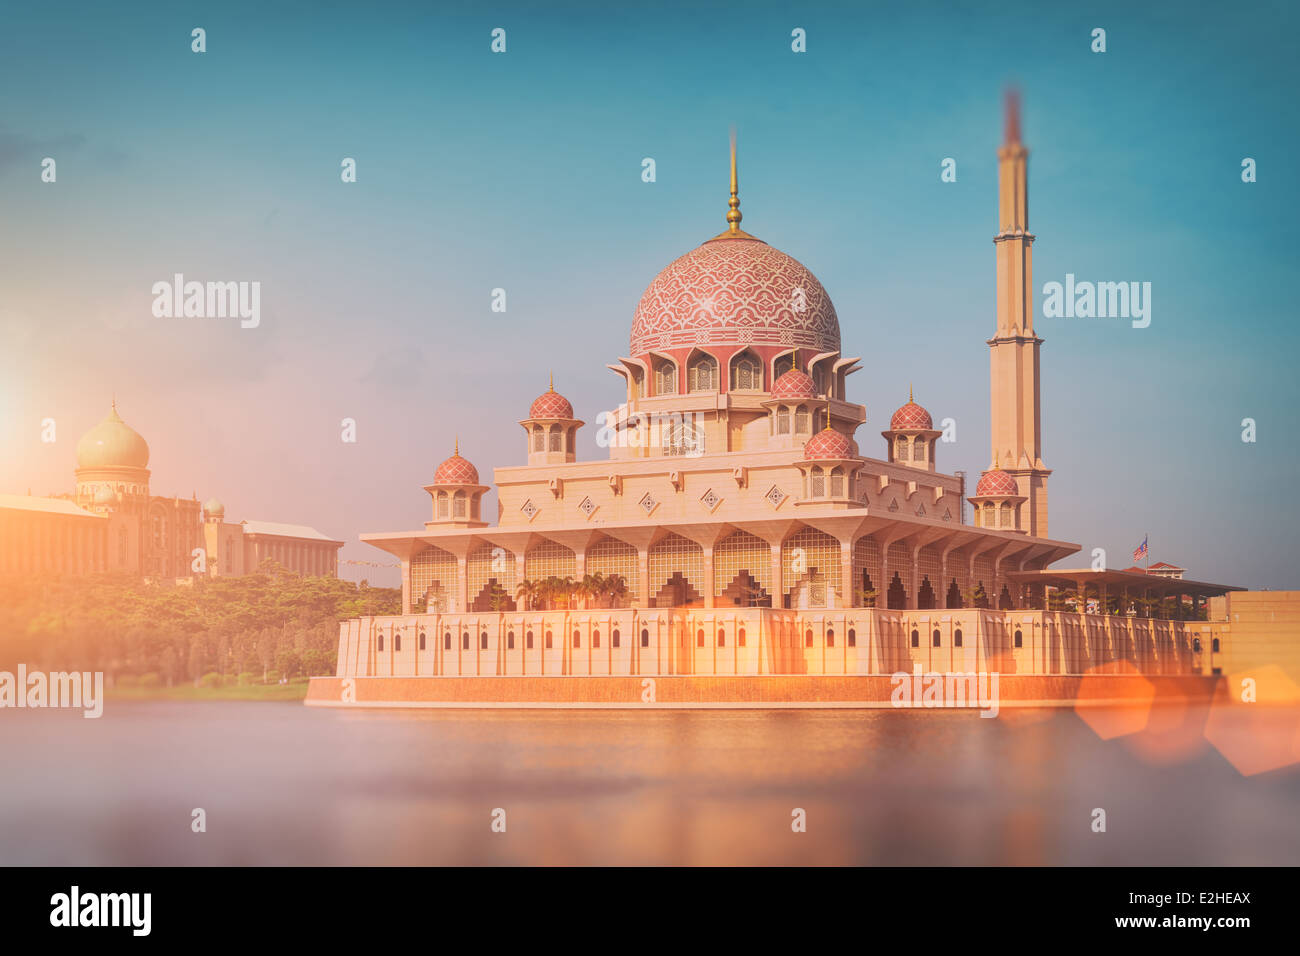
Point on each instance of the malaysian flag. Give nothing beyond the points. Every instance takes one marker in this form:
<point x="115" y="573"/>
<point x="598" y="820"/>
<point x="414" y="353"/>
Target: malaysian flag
<point x="1141" y="551"/>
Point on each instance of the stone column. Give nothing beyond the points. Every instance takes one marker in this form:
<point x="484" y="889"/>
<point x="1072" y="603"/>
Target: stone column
<point x="406" y="585"/>
<point x="462" y="587"/>
<point x="848" y="587"/>
<point x="709" y="596"/>
<point x="643" y="574"/>
<point x="778" y="585"/>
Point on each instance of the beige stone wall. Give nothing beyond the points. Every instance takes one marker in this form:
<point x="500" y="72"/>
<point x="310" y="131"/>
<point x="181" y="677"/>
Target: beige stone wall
<point x="1254" y="629"/>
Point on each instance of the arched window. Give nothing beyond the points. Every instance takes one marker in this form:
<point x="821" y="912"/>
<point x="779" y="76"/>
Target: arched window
<point x="464" y="640"/>
<point x="636" y="382"/>
<point x="703" y="374"/>
<point x="482" y="641"/>
<point x="818" y="485"/>
<point x="1214" y="646"/>
<point x="740" y="637"/>
<point x="557" y="438"/>
<point x="783" y="421"/>
<point x="595" y="638"/>
<point x="808" y="638"/>
<point x="901" y="452"/>
<point x="549" y="640"/>
<point x="988" y="514"/>
<point x="801" y="426"/>
<point x="665" y="378"/>
<point x="381" y="640"/>
<point x="699" y="638"/>
<point x="1020" y="638"/>
<point x="446" y="641"/>
<point x="1006" y="514"/>
<point x="936" y="638"/>
<point x="397" y="640"/>
<point x="613" y="638"/>
<point x="539" y="438"/>
<point x="422" y="640"/>
<point x="528" y="640"/>
<point x="853" y="638"/>
<point x="746" y="373"/>
<point x="458" y="505"/>
<point x="837" y="483"/>
<point x="577" y="638"/>
<point x="510" y="640"/>
<point x="782" y="365"/>
<point x="916" y="638"/>
<point x="830" y="638"/>
<point x="645" y="637"/>
<point x="722" y="637"/>
<point x="919" y="449"/>
<point x="442" y="504"/>
<point x="956" y="638"/>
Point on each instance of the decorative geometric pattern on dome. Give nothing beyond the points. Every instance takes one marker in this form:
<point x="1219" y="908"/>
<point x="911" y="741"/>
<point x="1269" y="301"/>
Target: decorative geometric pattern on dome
<point x="828" y="443"/>
<point x="729" y="286"/>
<point x="912" y="415"/>
<point x="775" y="496"/>
<point x="996" y="483"/>
<point x="456" y="471"/>
<point x="794" y="384"/>
<point x="551" y="405"/>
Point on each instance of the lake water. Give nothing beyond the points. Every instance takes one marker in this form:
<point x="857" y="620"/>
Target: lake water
<point x="285" y="784"/>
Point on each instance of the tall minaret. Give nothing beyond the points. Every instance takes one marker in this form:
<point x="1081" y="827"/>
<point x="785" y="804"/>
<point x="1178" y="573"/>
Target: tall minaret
<point x="1013" y="350"/>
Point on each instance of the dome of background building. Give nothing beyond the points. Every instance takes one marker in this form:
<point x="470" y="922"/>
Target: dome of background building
<point x="456" y="471"/>
<point x="214" y="507"/>
<point x="827" y="444"/>
<point x="794" y="384"/>
<point x="996" y="483"/>
<point x="911" y="415"/>
<point x="112" y="444"/>
<point x="737" y="291"/>
<point x="551" y="404"/>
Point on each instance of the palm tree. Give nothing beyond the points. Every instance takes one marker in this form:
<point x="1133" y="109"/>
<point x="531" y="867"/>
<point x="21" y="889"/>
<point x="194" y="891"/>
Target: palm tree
<point x="588" y="589"/>
<point x="528" y="593"/>
<point x="615" y="588"/>
<point x="867" y="597"/>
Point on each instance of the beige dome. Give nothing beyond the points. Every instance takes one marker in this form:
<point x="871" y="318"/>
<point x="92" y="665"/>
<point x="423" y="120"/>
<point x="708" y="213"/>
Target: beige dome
<point x="112" y="444"/>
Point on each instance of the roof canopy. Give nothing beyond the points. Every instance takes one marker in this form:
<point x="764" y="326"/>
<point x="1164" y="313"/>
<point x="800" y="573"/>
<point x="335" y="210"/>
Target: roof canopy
<point x="1135" y="581"/>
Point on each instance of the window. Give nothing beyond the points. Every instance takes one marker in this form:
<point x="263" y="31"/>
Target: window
<point x="397" y="641"/>
<point x="458" y="505"/>
<point x="613" y="638"/>
<point x="837" y="483"/>
<point x="830" y="638"/>
<point x="1214" y="646"/>
<point x="1006" y="515"/>
<point x="595" y="638"/>
<point x="808" y="638"/>
<point x="746" y="374"/>
<point x="782" y="365"/>
<point x="482" y="641"/>
<point x="442" y="504"/>
<point x="722" y="638"/>
<point x="556" y="438"/>
<point x="539" y="439"/>
<point x="665" y="378"/>
<point x="783" y="421"/>
<point x="422" y="640"/>
<point x="699" y="638"/>
<point x="936" y="638"/>
<point x="577" y="638"/>
<point x="381" y="640"/>
<point x="1020" y="638"/>
<point x="902" y="449"/>
<point x="528" y="640"/>
<point x="956" y="638"/>
<point x="740" y="637"/>
<point x="703" y="374"/>
<point x="818" y="488"/>
<point x="919" y="450"/>
<point x="549" y="644"/>
<point x="645" y="637"/>
<point x="916" y="638"/>
<point x="801" y="421"/>
<point x="853" y="638"/>
<point x="464" y="641"/>
<point x="446" y="641"/>
<point x="510" y="640"/>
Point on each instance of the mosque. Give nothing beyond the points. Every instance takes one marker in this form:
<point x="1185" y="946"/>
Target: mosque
<point x="738" y="527"/>
<point x="114" y="523"/>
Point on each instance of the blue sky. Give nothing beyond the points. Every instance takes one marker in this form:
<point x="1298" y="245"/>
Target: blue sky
<point x="522" y="171"/>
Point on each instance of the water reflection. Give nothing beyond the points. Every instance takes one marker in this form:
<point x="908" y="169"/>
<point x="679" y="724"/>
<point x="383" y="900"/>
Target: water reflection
<point x="283" y="784"/>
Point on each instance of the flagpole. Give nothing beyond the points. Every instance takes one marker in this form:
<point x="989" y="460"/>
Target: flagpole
<point x="1146" y="540"/>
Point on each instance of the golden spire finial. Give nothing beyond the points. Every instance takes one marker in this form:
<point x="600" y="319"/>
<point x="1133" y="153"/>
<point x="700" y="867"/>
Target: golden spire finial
<point x="794" y="359"/>
<point x="828" y="412"/>
<point x="997" y="461"/>
<point x="733" y="210"/>
<point x="456" y="451"/>
<point x="910" y="399"/>
<point x="552" y="388"/>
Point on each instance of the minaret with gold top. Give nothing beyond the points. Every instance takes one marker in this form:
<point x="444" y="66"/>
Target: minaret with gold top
<point x="1016" y="420"/>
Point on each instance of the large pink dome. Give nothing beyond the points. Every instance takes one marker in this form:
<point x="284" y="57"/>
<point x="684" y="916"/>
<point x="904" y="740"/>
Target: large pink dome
<point x="734" y="290"/>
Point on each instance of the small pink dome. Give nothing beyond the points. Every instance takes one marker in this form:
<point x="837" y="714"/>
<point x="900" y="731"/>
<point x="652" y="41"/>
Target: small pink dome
<point x="828" y="443"/>
<point x="911" y="415"/>
<point x="551" y="404"/>
<point x="996" y="483"/>
<point x="456" y="471"/>
<point x="794" y="384"/>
